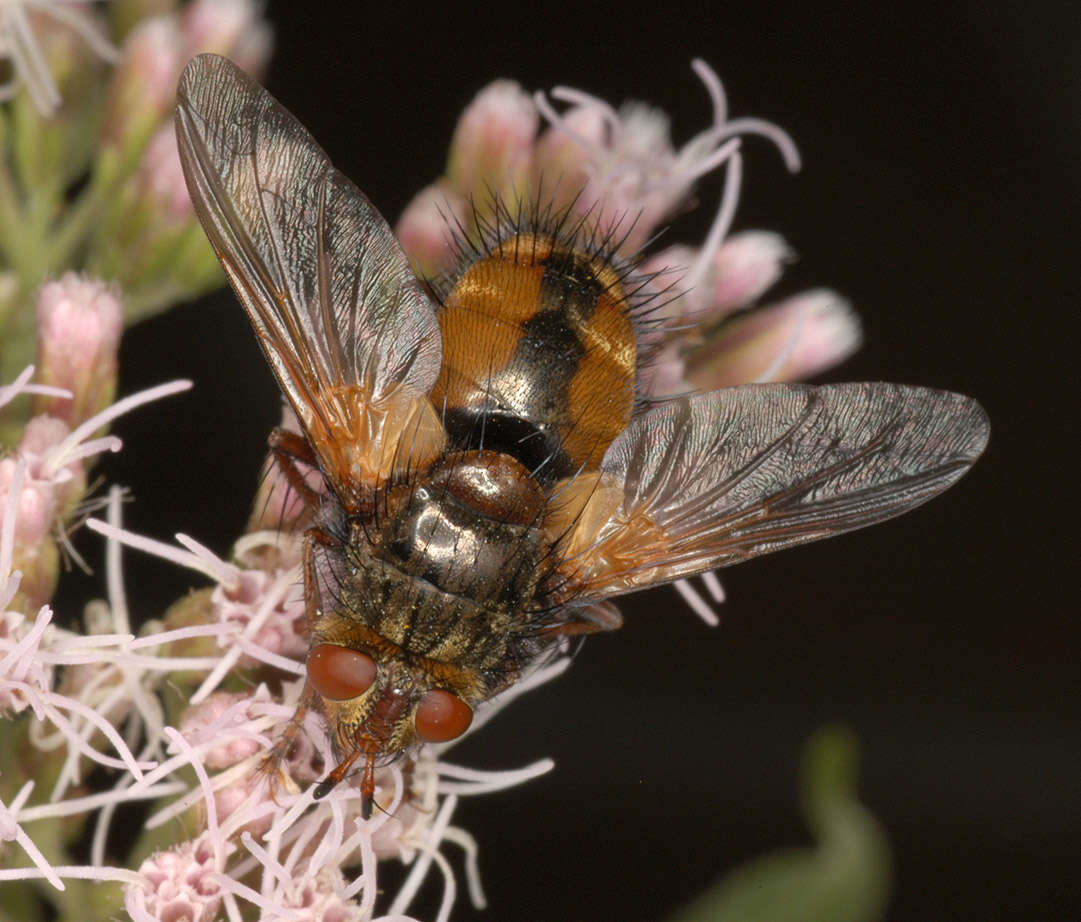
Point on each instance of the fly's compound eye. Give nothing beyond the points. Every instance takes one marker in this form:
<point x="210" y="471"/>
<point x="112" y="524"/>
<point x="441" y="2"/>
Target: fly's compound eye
<point x="442" y="716"/>
<point x="340" y="673"/>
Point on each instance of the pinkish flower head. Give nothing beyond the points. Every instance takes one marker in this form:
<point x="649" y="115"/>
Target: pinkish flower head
<point x="43" y="481"/>
<point x="492" y="148"/>
<point x="222" y="718"/>
<point x="234" y="28"/>
<point x="732" y="277"/>
<point x="632" y="179"/>
<point x="144" y="84"/>
<point x="709" y="286"/>
<point x="246" y="803"/>
<point x="425" y="228"/>
<point x="743" y="267"/>
<point x="794" y="339"/>
<point x="42" y="437"/>
<point x="79" y="325"/>
<point x="178" y="884"/>
<point x="321" y="898"/>
<point x="161" y="178"/>
<point x="44" y="499"/>
<point x="256" y="601"/>
<point x="563" y="157"/>
<point x="35" y="508"/>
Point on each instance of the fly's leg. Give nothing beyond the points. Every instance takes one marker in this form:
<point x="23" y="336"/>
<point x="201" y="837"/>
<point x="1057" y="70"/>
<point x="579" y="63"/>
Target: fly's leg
<point x="289" y="450"/>
<point x="588" y="619"/>
<point x="313" y="537"/>
<point x="271" y="765"/>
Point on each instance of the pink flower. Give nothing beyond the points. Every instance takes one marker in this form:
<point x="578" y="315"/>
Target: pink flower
<point x="178" y="884"/>
<point x="492" y="148"/>
<point x="795" y="339"/>
<point x="562" y="156"/>
<point x="161" y="177"/>
<point x="144" y="84"/>
<point x="425" y="229"/>
<point x="234" y="28"/>
<point x="80" y="321"/>
<point x="221" y="719"/>
<point x="322" y="899"/>
<point x="619" y="170"/>
<point x="634" y="175"/>
<point x="715" y="284"/>
<point x="271" y="612"/>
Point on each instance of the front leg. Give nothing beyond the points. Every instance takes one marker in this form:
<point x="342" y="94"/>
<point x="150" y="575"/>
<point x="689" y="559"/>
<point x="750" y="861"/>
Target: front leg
<point x="280" y="752"/>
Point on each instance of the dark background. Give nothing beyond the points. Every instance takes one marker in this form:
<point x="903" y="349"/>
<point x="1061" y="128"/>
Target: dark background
<point x="940" y="193"/>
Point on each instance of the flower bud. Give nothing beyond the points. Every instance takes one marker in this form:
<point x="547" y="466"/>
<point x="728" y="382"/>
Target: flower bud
<point x="144" y="85"/>
<point x="219" y="718"/>
<point x="281" y="631"/>
<point x="181" y="883"/>
<point x="565" y="154"/>
<point x="161" y="178"/>
<point x="252" y="793"/>
<point x="228" y="27"/>
<point x="41" y="435"/>
<point x="633" y="180"/>
<point x="741" y="271"/>
<point x="78" y="331"/>
<point x="35" y="508"/>
<point x="35" y="553"/>
<point x="492" y="148"/>
<point x="799" y="337"/>
<point x="425" y="228"/>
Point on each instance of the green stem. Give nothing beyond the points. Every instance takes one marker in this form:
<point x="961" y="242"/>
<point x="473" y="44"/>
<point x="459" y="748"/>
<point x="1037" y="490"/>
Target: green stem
<point x="11" y="218"/>
<point x="76" y="225"/>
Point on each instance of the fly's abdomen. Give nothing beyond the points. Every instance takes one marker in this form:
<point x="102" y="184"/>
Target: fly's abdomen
<point x="539" y="356"/>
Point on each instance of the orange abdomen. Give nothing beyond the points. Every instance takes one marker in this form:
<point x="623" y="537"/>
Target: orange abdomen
<point x="539" y="356"/>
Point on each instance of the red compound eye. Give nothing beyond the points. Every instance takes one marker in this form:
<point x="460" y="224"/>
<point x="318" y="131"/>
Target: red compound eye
<point x="339" y="672"/>
<point x="442" y="716"/>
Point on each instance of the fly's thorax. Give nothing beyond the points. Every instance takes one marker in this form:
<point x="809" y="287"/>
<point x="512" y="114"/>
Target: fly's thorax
<point x="446" y="569"/>
<point x="539" y="355"/>
<point x="471" y="528"/>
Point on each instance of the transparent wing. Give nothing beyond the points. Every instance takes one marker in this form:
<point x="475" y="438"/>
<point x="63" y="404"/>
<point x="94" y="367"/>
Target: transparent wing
<point x="712" y="479"/>
<point x="349" y="333"/>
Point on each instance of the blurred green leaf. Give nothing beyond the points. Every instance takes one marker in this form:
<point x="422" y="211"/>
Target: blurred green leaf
<point x="844" y="878"/>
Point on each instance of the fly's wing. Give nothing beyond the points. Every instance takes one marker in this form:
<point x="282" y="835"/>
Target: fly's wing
<point x="348" y="331"/>
<point x="713" y="479"/>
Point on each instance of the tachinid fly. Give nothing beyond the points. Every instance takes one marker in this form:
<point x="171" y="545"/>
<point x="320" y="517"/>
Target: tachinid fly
<point x="492" y="478"/>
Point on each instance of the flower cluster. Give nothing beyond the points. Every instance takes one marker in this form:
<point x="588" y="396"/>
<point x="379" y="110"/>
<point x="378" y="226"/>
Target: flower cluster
<point x="618" y="169"/>
<point x="90" y="178"/>
<point x="187" y="713"/>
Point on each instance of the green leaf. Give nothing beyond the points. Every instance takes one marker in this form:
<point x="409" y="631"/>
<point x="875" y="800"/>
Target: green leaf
<point x="844" y="878"/>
